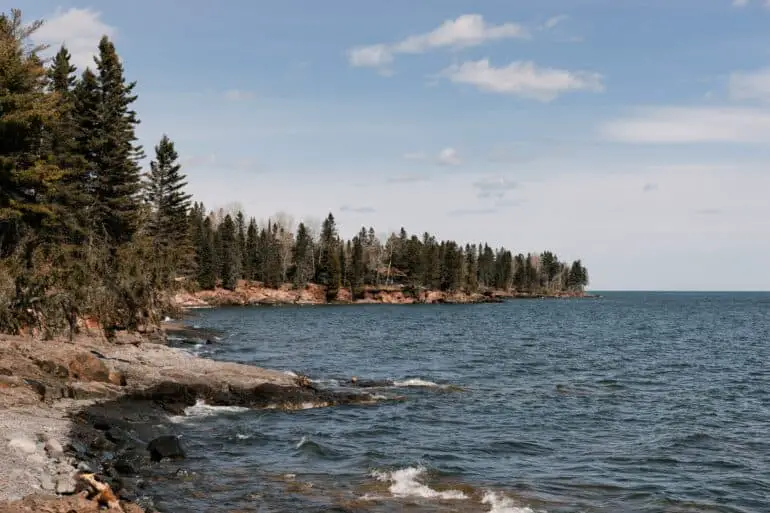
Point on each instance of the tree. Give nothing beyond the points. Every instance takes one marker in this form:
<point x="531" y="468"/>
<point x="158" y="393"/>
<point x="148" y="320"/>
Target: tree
<point x="230" y="261"/>
<point x="358" y="268"/>
<point x="27" y="178"/>
<point x="115" y="156"/>
<point x="250" y="253"/>
<point x="302" y="255"/>
<point x="169" y="204"/>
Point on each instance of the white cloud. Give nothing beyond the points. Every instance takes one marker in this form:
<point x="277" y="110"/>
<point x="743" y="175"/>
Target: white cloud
<point x="680" y="125"/>
<point x="556" y="20"/>
<point x="79" y="29"/>
<point x="449" y="157"/>
<point x="238" y="95"/>
<point x="465" y="31"/>
<point x="523" y="78"/>
<point x="750" y="85"/>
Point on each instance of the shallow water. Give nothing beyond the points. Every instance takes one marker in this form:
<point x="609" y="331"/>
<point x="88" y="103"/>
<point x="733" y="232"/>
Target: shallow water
<point x="631" y="403"/>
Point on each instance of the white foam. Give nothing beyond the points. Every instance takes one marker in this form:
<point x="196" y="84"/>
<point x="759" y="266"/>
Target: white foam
<point x="305" y="439"/>
<point x="201" y="409"/>
<point x="499" y="503"/>
<point x="417" y="382"/>
<point x="404" y="484"/>
<point x="241" y="436"/>
<point x="291" y="373"/>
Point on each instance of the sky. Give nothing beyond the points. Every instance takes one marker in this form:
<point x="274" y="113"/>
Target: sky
<point x="633" y="135"/>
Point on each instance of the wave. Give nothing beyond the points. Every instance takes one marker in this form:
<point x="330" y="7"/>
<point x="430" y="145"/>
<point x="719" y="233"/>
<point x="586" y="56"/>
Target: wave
<point x="404" y="483"/>
<point x="417" y="382"/>
<point x="201" y="409"/>
<point x="499" y="503"/>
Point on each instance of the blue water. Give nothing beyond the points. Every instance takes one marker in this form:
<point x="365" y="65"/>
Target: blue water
<point x="635" y="402"/>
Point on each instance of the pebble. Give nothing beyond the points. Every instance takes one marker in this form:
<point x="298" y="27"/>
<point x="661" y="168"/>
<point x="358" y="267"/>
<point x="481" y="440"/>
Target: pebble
<point x="53" y="448"/>
<point x="84" y="467"/>
<point x="23" y="445"/>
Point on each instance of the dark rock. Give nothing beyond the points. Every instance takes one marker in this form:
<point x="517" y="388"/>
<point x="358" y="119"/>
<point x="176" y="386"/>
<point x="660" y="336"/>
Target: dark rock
<point x="166" y="446"/>
<point x="116" y="435"/>
<point x="6" y="372"/>
<point x="129" y="463"/>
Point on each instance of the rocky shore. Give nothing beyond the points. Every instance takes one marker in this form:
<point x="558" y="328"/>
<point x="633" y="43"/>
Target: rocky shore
<point x="249" y="293"/>
<point x="80" y="420"/>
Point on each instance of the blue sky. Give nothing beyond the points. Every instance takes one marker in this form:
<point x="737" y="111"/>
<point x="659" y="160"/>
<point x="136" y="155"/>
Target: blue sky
<point x="633" y="135"/>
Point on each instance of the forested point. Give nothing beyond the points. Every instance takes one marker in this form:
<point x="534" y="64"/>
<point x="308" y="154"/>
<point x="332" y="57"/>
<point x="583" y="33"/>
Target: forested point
<point x="86" y="233"/>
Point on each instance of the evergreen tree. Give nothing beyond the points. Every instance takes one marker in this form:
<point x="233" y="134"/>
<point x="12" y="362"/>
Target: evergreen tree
<point x="303" y="257"/>
<point x="357" y="268"/>
<point x="115" y="157"/>
<point x="471" y="269"/>
<point x="27" y="180"/>
<point x="250" y="254"/>
<point x="166" y="197"/>
<point x="230" y="261"/>
<point x="240" y="230"/>
<point x="207" y="257"/>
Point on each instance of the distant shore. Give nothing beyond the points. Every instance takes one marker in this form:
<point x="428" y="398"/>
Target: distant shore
<point x="249" y="293"/>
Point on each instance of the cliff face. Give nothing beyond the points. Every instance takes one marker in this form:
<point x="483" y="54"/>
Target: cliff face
<point x="254" y="293"/>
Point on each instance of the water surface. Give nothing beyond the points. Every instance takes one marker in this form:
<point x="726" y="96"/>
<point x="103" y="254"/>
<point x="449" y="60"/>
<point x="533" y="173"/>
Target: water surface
<point x="636" y="402"/>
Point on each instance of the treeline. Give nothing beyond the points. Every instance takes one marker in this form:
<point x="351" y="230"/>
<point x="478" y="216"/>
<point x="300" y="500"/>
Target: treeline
<point x="228" y="248"/>
<point x="84" y="232"/>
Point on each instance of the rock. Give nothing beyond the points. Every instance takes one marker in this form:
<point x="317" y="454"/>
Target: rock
<point x="116" y="377"/>
<point x="65" y="485"/>
<point x="84" y="467"/>
<point x="23" y="445"/>
<point x="53" y="448"/>
<point x="166" y="446"/>
<point x="88" y="367"/>
<point x="47" y="483"/>
<point x="129" y="463"/>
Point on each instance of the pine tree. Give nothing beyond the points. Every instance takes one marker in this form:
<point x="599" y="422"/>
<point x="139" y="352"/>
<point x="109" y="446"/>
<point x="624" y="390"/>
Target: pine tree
<point x="115" y="155"/>
<point x="207" y="257"/>
<point x="358" y="268"/>
<point x="302" y="254"/>
<point x="250" y="254"/>
<point x="471" y="269"/>
<point x="240" y="230"/>
<point x="230" y="260"/>
<point x="27" y="178"/>
<point x="327" y="248"/>
<point x="166" y="197"/>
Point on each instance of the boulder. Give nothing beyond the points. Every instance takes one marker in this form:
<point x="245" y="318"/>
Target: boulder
<point x="166" y="446"/>
<point x="87" y="367"/>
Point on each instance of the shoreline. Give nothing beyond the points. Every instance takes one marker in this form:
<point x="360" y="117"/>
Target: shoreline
<point x="249" y="293"/>
<point x="70" y="408"/>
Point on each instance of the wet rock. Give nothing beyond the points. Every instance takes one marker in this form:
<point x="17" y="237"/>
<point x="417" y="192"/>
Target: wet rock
<point x="88" y="367"/>
<point x="77" y="447"/>
<point x="166" y="446"/>
<point x="24" y="445"/>
<point x="129" y="463"/>
<point x="53" y="448"/>
<point x="65" y="485"/>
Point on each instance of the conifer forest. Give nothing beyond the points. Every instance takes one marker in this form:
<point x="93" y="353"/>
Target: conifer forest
<point x="87" y="229"/>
